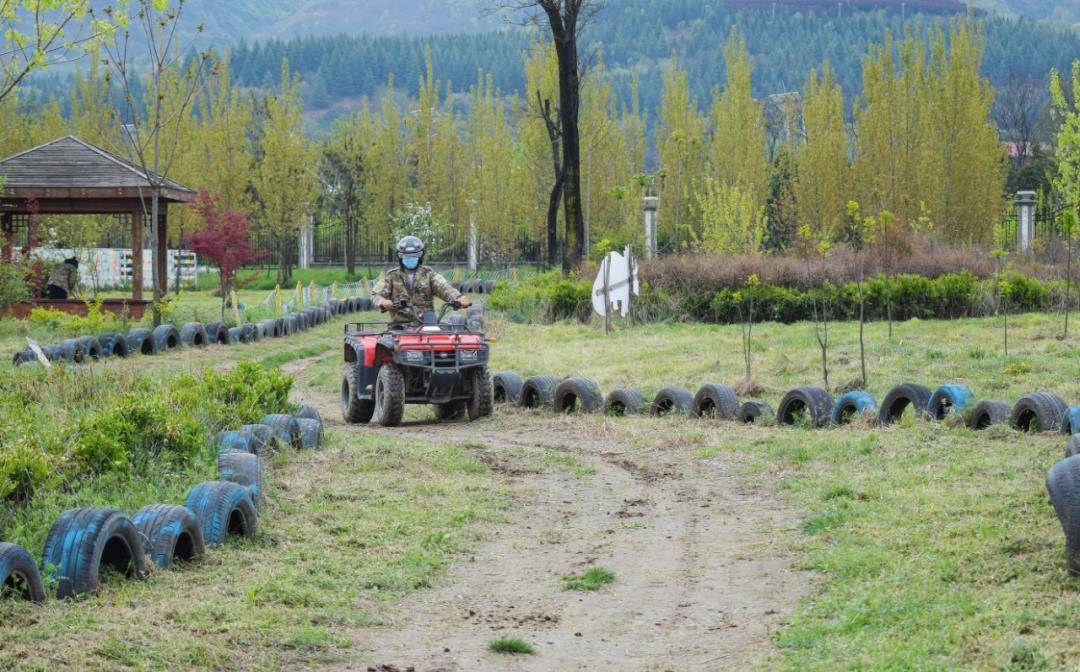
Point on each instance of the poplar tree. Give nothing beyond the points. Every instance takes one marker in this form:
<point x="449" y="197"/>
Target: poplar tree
<point x="1066" y="111"/>
<point x="680" y="139"/>
<point x="824" y="171"/>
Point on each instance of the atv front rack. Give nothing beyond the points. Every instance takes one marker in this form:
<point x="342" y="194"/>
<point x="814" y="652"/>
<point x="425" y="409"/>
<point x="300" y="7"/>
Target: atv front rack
<point x="379" y="328"/>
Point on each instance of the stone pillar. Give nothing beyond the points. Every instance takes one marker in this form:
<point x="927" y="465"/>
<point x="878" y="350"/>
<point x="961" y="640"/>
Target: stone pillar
<point x="161" y="264"/>
<point x="1025" y="221"/>
<point x="652" y="206"/>
<point x="307" y="245"/>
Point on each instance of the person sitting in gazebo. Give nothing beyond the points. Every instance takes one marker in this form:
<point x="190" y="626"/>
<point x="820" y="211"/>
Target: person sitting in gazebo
<point x="64" y="280"/>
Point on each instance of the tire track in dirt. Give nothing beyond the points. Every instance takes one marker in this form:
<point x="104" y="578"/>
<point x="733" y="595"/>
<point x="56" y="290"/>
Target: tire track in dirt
<point x="701" y="560"/>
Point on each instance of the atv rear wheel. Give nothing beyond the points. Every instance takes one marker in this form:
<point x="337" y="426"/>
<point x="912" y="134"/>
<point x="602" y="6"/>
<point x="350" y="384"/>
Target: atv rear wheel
<point x="482" y="396"/>
<point x="389" y="396"/>
<point x="353" y="410"/>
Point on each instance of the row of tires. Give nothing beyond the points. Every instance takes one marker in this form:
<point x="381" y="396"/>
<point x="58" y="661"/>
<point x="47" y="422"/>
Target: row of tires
<point x="474" y="286"/>
<point x="815" y="407"/>
<point x="812" y="406"/>
<point x="168" y="337"/>
<point x="83" y="543"/>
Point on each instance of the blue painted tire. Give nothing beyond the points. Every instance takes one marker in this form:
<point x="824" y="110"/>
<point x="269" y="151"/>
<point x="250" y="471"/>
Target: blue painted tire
<point x="262" y="436"/>
<point x="949" y="399"/>
<point x="217" y="332"/>
<point x="166" y="338"/>
<point x="113" y="345"/>
<point x="236" y="336"/>
<point x="1073" y="446"/>
<point x="1071" y="423"/>
<point x="223" y="509"/>
<point x="23" y="357"/>
<point x="141" y="342"/>
<point x="91" y="347"/>
<point x="19" y="575"/>
<point x="72" y="351"/>
<point x="251" y="332"/>
<point x="171" y="532"/>
<point x="243" y="469"/>
<point x="311" y="413"/>
<point x="1063" y="485"/>
<point x="266" y="329"/>
<point x="853" y="405"/>
<point x="310" y="433"/>
<point x="193" y="335"/>
<point x="82" y="541"/>
<point x="235" y="441"/>
<point x="286" y="429"/>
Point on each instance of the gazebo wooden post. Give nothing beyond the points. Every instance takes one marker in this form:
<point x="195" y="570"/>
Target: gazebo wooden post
<point x="8" y="231"/>
<point x="162" y="262"/>
<point x="137" y="224"/>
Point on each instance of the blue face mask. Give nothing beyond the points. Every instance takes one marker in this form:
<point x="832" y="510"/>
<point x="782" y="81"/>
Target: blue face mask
<point x="410" y="263"/>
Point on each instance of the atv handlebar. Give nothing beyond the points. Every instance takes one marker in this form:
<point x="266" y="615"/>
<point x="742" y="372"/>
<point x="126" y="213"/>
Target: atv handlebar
<point x="403" y="306"/>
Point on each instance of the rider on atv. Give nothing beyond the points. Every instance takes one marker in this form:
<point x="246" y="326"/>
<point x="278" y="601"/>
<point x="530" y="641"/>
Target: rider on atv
<point x="414" y="285"/>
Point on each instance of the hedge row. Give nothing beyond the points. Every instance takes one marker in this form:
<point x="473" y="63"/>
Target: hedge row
<point x="550" y="297"/>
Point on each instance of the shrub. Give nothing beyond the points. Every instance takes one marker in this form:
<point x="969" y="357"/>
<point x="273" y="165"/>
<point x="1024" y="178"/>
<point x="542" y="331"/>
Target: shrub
<point x="546" y="296"/>
<point x="96" y="320"/>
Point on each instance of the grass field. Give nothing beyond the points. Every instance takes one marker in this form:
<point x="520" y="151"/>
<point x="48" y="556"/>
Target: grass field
<point x="935" y="546"/>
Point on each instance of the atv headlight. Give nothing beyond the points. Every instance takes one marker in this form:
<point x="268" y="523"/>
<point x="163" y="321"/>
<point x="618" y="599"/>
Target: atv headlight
<point x="468" y="355"/>
<point x="415" y="355"/>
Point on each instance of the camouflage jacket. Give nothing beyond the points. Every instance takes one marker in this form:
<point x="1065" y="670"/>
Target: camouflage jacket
<point x="426" y="285"/>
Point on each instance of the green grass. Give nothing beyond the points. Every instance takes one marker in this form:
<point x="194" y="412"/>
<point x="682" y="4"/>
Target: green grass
<point x="511" y="646"/>
<point x="592" y="579"/>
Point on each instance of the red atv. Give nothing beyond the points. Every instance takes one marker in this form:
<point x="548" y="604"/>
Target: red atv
<point x="427" y="361"/>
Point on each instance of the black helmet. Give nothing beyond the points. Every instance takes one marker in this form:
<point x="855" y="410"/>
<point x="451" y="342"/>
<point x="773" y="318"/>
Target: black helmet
<point x="410" y="247"/>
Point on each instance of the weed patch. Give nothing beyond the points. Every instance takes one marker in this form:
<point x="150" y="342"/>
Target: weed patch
<point x="511" y="645"/>
<point x="594" y="578"/>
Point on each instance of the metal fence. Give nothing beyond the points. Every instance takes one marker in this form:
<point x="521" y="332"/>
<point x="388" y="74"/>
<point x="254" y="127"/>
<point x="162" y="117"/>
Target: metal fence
<point x="1048" y="222"/>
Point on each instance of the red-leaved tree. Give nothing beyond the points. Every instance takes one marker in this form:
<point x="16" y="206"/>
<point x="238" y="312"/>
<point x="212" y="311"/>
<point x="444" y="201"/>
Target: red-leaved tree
<point x="223" y="240"/>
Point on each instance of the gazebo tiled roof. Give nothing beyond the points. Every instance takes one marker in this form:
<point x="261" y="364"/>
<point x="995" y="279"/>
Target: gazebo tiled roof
<point x="69" y="167"/>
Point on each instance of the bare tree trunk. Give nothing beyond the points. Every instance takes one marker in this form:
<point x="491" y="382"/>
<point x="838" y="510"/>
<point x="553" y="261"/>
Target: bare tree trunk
<point x="350" y="242"/>
<point x="1068" y="285"/>
<point x="862" y="320"/>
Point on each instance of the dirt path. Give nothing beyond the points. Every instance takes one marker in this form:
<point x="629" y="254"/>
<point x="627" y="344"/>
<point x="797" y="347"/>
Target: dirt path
<point x="702" y="577"/>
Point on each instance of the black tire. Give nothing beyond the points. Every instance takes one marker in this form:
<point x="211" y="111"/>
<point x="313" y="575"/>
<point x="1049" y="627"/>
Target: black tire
<point x="285" y="427"/>
<point x="353" y="410"/>
<point x="268" y="328"/>
<point x="672" y="401"/>
<point x="949" y="399"/>
<point x="141" y="342"/>
<point x="170" y="533"/>
<point x="243" y="469"/>
<point x="113" y="345"/>
<point x="625" y="402"/>
<point x="193" y="335"/>
<point x="217" y="332"/>
<point x="1039" y="412"/>
<point x="235" y="441"/>
<point x="236" y="335"/>
<point x="754" y="410"/>
<point x="279" y="327"/>
<point x="578" y="395"/>
<point x="489" y="286"/>
<point x="263" y="436"/>
<point x="72" y="350"/>
<point x="716" y="401"/>
<point x="897" y="401"/>
<point x="91" y="347"/>
<point x="292" y="325"/>
<point x="223" y="509"/>
<point x="19" y="575"/>
<point x="506" y="387"/>
<point x="1072" y="447"/>
<point x="23" y="357"/>
<point x="813" y="403"/>
<point x="989" y="412"/>
<point x="389" y="396"/>
<point x="482" y="401"/>
<point x="251" y="332"/>
<point x="450" y="411"/>
<point x="538" y="392"/>
<point x="1063" y="484"/>
<point x="83" y="541"/>
<point x="311" y="433"/>
<point x="365" y="304"/>
<point x="166" y="338"/>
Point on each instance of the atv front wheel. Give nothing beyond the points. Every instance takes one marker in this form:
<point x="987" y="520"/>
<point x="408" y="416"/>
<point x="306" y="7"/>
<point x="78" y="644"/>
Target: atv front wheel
<point x="354" y="411"/>
<point x="482" y="400"/>
<point x="389" y="396"/>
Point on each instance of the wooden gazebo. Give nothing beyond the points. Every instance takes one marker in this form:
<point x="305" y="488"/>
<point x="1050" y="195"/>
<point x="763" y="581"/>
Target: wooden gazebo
<point x="71" y="177"/>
